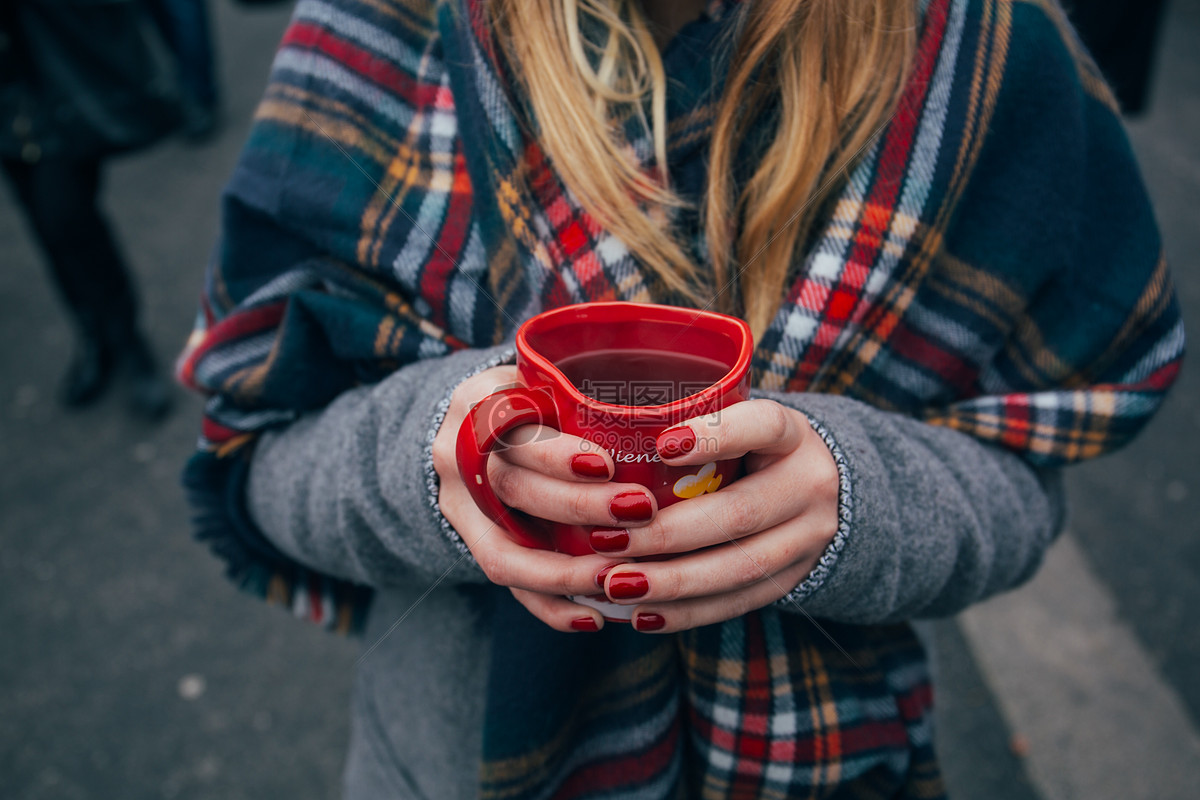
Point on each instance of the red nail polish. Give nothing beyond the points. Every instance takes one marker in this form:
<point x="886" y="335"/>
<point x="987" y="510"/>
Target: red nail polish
<point x="627" y="586"/>
<point x="589" y="465"/>
<point x="604" y="540"/>
<point x="648" y="622"/>
<point x="675" y="442"/>
<point x="631" y="507"/>
<point x="585" y="624"/>
<point x="602" y="574"/>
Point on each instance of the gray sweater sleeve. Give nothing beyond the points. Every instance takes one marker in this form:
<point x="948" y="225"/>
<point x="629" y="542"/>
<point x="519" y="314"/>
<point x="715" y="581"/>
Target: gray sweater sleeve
<point x="932" y="520"/>
<point x="350" y="490"/>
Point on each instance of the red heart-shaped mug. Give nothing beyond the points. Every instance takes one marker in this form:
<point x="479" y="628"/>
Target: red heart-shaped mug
<point x="617" y="375"/>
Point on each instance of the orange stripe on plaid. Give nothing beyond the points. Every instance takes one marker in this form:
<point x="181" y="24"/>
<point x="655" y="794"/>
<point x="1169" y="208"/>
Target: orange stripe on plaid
<point x="1154" y="301"/>
<point x="411" y="168"/>
<point x="418" y="16"/>
<point x="1037" y="363"/>
<point x="323" y="124"/>
<point x="981" y="291"/>
<point x="383" y="336"/>
<point x="1093" y="409"/>
<point x="294" y="95"/>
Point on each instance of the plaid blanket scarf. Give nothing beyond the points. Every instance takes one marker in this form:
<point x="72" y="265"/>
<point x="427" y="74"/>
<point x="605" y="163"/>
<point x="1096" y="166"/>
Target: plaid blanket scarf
<point x="991" y="264"/>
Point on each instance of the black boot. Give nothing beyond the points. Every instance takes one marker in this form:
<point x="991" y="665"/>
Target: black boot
<point x="89" y="373"/>
<point x="148" y="394"/>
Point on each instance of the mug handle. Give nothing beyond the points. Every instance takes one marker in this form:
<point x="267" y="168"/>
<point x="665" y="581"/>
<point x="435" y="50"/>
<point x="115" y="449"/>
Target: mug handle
<point x="480" y="434"/>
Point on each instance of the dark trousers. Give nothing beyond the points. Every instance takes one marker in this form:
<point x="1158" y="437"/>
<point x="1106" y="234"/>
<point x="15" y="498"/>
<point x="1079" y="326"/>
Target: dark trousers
<point x="59" y="197"/>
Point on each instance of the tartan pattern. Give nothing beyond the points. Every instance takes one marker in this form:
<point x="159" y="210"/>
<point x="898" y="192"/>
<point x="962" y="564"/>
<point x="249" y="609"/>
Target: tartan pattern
<point x="1000" y="280"/>
<point x="780" y="712"/>
<point x="764" y="706"/>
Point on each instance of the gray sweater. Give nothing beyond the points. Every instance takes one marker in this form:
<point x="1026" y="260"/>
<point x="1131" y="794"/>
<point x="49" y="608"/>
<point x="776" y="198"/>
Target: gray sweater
<point x="932" y="521"/>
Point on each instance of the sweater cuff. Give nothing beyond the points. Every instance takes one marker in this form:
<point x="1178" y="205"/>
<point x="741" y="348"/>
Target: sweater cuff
<point x="432" y="482"/>
<point x="792" y="600"/>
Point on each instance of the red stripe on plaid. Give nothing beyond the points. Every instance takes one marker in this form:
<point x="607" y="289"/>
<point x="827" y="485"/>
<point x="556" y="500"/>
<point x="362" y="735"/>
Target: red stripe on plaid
<point x="1018" y="422"/>
<point x="841" y="303"/>
<point x="540" y="177"/>
<point x="915" y="347"/>
<point x="812" y="296"/>
<point x="916" y="703"/>
<point x="1158" y="381"/>
<point x="444" y="99"/>
<point x="443" y="259"/>
<point x="635" y="769"/>
<point x="862" y="739"/>
<point x="808" y="749"/>
<point x="590" y="268"/>
<point x="370" y="66"/>
<point x="750" y="749"/>
<point x="558" y="212"/>
<point x="243" y="324"/>
<point x="316" y="611"/>
<point x="216" y="432"/>
<point x="576" y="234"/>
<point x="572" y="238"/>
<point x="545" y="189"/>
<point x="590" y="272"/>
<point x="236" y="326"/>
<point x="880" y="205"/>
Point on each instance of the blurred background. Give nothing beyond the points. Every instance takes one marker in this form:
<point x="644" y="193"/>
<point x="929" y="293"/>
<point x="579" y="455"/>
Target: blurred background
<point x="129" y="667"/>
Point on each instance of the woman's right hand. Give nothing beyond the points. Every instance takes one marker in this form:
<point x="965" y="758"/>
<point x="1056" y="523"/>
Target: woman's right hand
<point x="547" y="474"/>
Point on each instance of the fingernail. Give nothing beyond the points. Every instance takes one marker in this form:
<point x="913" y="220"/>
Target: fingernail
<point x="631" y="507"/>
<point x="675" y="442"/>
<point x="604" y="540"/>
<point x="589" y="465"/>
<point x="648" y="622"/>
<point x="585" y="624"/>
<point x="627" y="586"/>
<point x="602" y="574"/>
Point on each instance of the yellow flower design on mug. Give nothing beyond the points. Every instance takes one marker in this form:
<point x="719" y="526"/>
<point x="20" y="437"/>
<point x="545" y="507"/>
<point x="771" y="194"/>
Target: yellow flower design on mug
<point x="702" y="482"/>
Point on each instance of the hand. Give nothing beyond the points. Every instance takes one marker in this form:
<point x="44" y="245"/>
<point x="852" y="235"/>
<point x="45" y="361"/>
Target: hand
<point x="746" y="545"/>
<point x="550" y="475"/>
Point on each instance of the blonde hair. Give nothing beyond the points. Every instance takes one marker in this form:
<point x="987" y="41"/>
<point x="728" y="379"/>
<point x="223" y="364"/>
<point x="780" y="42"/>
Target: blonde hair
<point x="834" y="69"/>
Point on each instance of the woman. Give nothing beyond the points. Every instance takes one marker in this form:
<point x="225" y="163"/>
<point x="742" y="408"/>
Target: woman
<point x="79" y="83"/>
<point x="927" y="212"/>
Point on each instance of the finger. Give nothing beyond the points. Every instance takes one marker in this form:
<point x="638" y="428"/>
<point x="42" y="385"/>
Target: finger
<point x="596" y="504"/>
<point x="720" y="570"/>
<point x="556" y="454"/>
<point x="560" y="613"/>
<point x="752" y="426"/>
<point x="687" y="614"/>
<point x="747" y="506"/>
<point x="507" y="563"/>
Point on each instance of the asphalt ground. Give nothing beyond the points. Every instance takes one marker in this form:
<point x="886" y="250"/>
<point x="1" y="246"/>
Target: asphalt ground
<point x="130" y="668"/>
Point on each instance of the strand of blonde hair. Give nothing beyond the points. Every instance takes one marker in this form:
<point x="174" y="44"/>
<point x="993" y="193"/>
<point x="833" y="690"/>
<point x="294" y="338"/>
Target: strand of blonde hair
<point x="833" y="69"/>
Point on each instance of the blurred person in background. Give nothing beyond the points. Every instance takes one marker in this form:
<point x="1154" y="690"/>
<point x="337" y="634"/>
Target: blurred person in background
<point x="185" y="25"/>
<point x="79" y="83"/>
<point x="1122" y="36"/>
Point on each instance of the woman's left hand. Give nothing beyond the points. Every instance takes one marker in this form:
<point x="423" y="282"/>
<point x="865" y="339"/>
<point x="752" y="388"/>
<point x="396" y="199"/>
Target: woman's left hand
<point x="744" y="546"/>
